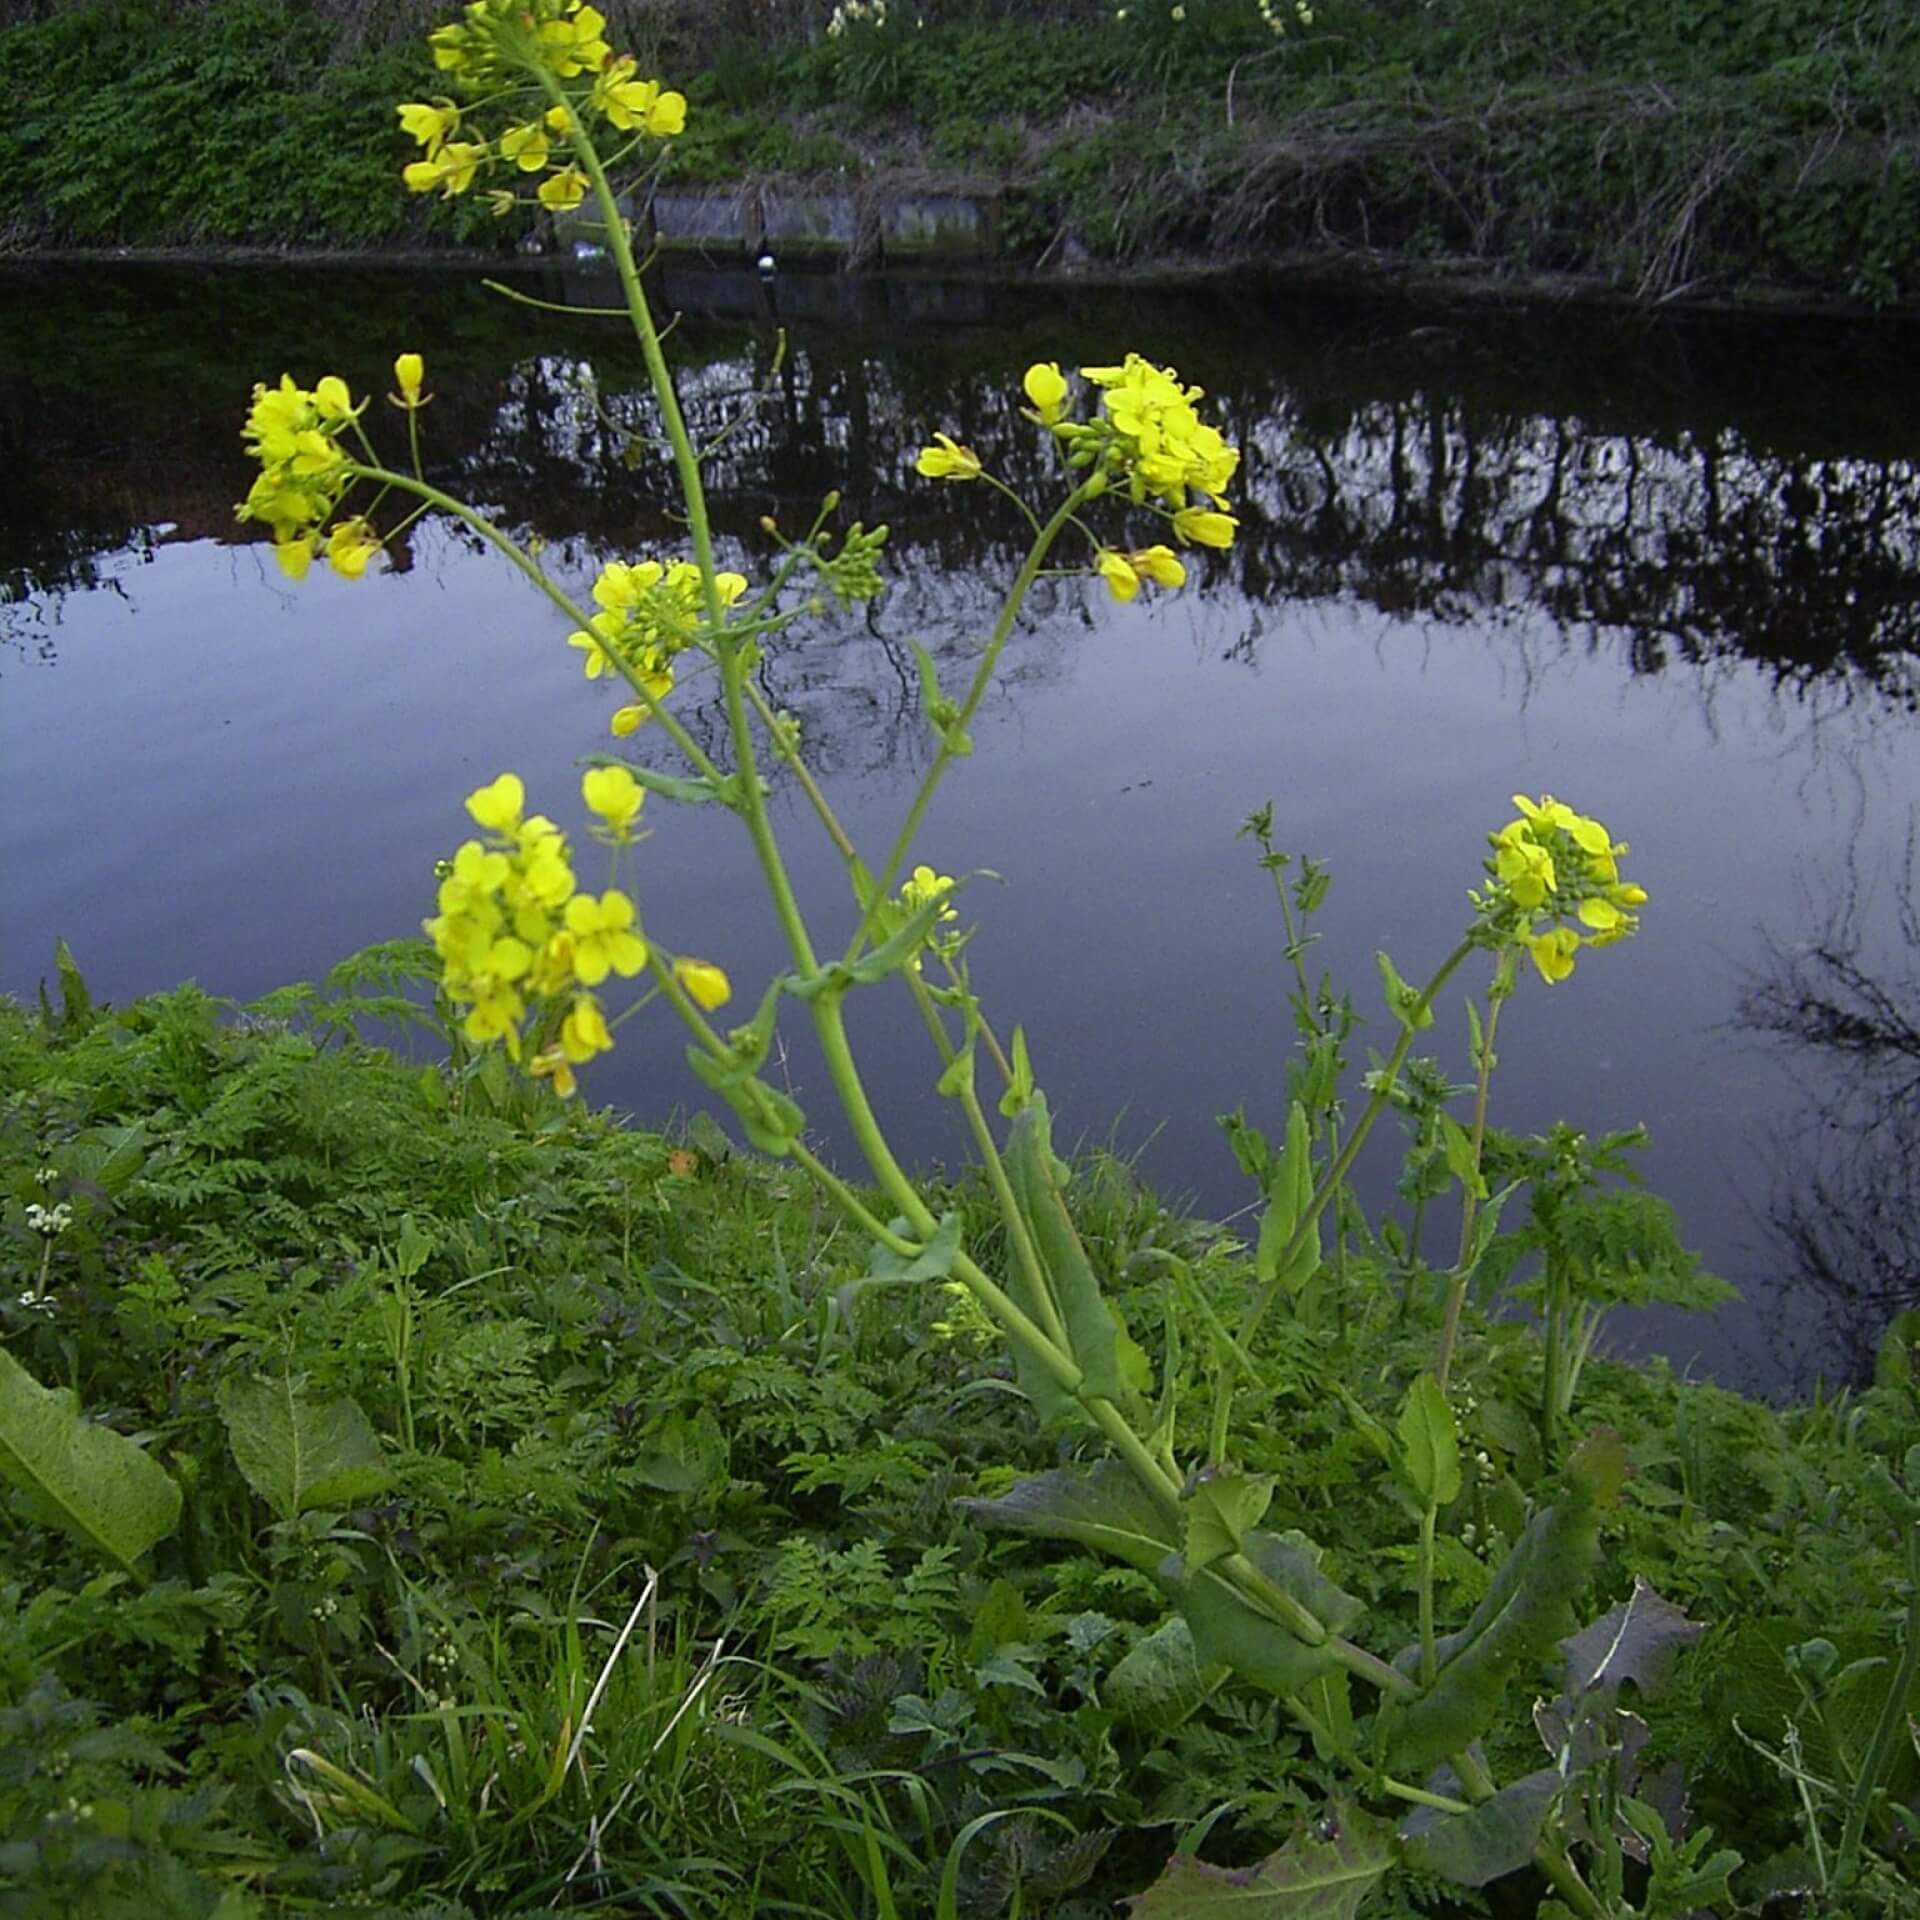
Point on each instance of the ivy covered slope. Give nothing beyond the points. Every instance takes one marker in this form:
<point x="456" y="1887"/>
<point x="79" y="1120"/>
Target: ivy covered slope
<point x="425" y="1497"/>
<point x="1689" y="147"/>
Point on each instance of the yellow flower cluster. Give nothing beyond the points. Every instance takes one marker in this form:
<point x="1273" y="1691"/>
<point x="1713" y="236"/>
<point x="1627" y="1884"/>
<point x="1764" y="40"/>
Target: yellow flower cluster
<point x="923" y="888"/>
<point x="649" y="614"/>
<point x="514" y="934"/>
<point x="1148" y="432"/>
<point x="294" y="432"/>
<point x="502" y="42"/>
<point x="1556" y="886"/>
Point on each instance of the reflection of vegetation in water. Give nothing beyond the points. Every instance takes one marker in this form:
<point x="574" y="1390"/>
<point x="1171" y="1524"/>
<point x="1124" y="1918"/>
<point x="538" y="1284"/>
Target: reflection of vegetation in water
<point x="1848" y="1210"/>
<point x="1651" y="485"/>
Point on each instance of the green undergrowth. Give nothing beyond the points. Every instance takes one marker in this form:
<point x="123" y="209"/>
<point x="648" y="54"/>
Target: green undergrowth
<point x="259" y="123"/>
<point x="1710" y="146"/>
<point x="564" y="1522"/>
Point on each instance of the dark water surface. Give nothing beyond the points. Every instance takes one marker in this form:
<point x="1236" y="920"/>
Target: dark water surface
<point x="1669" y="573"/>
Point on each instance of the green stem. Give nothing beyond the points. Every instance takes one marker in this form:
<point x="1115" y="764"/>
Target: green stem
<point x="1554" y="1861"/>
<point x="790" y="754"/>
<point x="1343" y="1161"/>
<point x="1014" y="1220"/>
<point x="982" y="678"/>
<point x="1420" y="1797"/>
<point x="1556" y="1317"/>
<point x="1429" y="1662"/>
<point x="1462" y="1272"/>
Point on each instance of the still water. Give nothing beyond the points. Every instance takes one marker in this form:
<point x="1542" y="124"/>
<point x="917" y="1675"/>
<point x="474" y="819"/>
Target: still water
<point x="1670" y="573"/>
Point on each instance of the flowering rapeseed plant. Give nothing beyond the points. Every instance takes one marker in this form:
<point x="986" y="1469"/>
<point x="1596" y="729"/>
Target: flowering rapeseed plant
<point x="525" y="951"/>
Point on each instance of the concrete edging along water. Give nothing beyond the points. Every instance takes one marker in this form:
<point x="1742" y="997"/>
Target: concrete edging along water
<point x="866" y="224"/>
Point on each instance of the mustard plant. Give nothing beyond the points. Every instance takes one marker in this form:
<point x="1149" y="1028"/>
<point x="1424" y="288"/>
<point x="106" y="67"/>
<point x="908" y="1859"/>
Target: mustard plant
<point x="541" y="108"/>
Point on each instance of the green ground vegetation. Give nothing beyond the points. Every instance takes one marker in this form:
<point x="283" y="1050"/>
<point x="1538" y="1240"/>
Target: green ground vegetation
<point x="510" y="1510"/>
<point x="1704" y="147"/>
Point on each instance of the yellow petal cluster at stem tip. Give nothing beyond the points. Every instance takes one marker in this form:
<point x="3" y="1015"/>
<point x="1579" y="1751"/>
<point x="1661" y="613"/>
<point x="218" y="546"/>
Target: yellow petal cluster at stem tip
<point x="649" y="614"/>
<point x="706" y="985"/>
<point x="520" y="949"/>
<point x="294" y="433"/>
<point x="616" y="796"/>
<point x="409" y="370"/>
<point x="947" y="460"/>
<point x="923" y="886"/>
<point x="1557" y="886"/>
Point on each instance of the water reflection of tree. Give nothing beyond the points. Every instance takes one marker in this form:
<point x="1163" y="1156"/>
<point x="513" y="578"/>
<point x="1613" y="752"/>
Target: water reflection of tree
<point x="1434" y="474"/>
<point x="1847" y="1210"/>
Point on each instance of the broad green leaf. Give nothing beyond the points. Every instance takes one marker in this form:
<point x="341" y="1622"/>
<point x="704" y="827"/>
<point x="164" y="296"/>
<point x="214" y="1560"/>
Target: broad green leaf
<point x="1527" y="1611"/>
<point x="96" y="1483"/>
<point x="299" y="1452"/>
<point x="1323" y="1873"/>
<point x="1222" y="1510"/>
<point x="1497" y="1837"/>
<point x="1093" y="1335"/>
<point x="1430" y="1445"/>
<point x="885" y="1268"/>
<point x="1161" y="1681"/>
<point x="1231" y="1631"/>
<point x="1104" y="1508"/>
<point x="1638" y="1640"/>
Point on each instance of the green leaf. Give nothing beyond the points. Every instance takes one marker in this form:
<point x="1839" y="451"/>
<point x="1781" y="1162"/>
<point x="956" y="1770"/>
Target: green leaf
<point x="1221" y="1510"/>
<point x="1372" y="1431"/>
<point x="1457" y="1145"/>
<point x="96" y="1483"/>
<point x="1231" y="1631"/>
<point x="1323" y="1873"/>
<point x="1161" y="1681"/>
<point x="298" y="1452"/>
<point x="1497" y="1837"/>
<point x="1093" y="1335"/>
<point x="76" y="1003"/>
<point x="1430" y="1444"/>
<point x="885" y="1268"/>
<point x="1020" y="1089"/>
<point x="684" y="1454"/>
<point x="1527" y="1611"/>
<point x="1104" y="1508"/>
<point x="771" y="1120"/>
<point x="1403" y="1001"/>
<point x="1289" y="1190"/>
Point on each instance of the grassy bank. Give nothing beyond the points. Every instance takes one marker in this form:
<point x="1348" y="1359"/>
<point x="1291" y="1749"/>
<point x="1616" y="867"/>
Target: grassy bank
<point x="1708" y="147"/>
<point x="563" y="1520"/>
